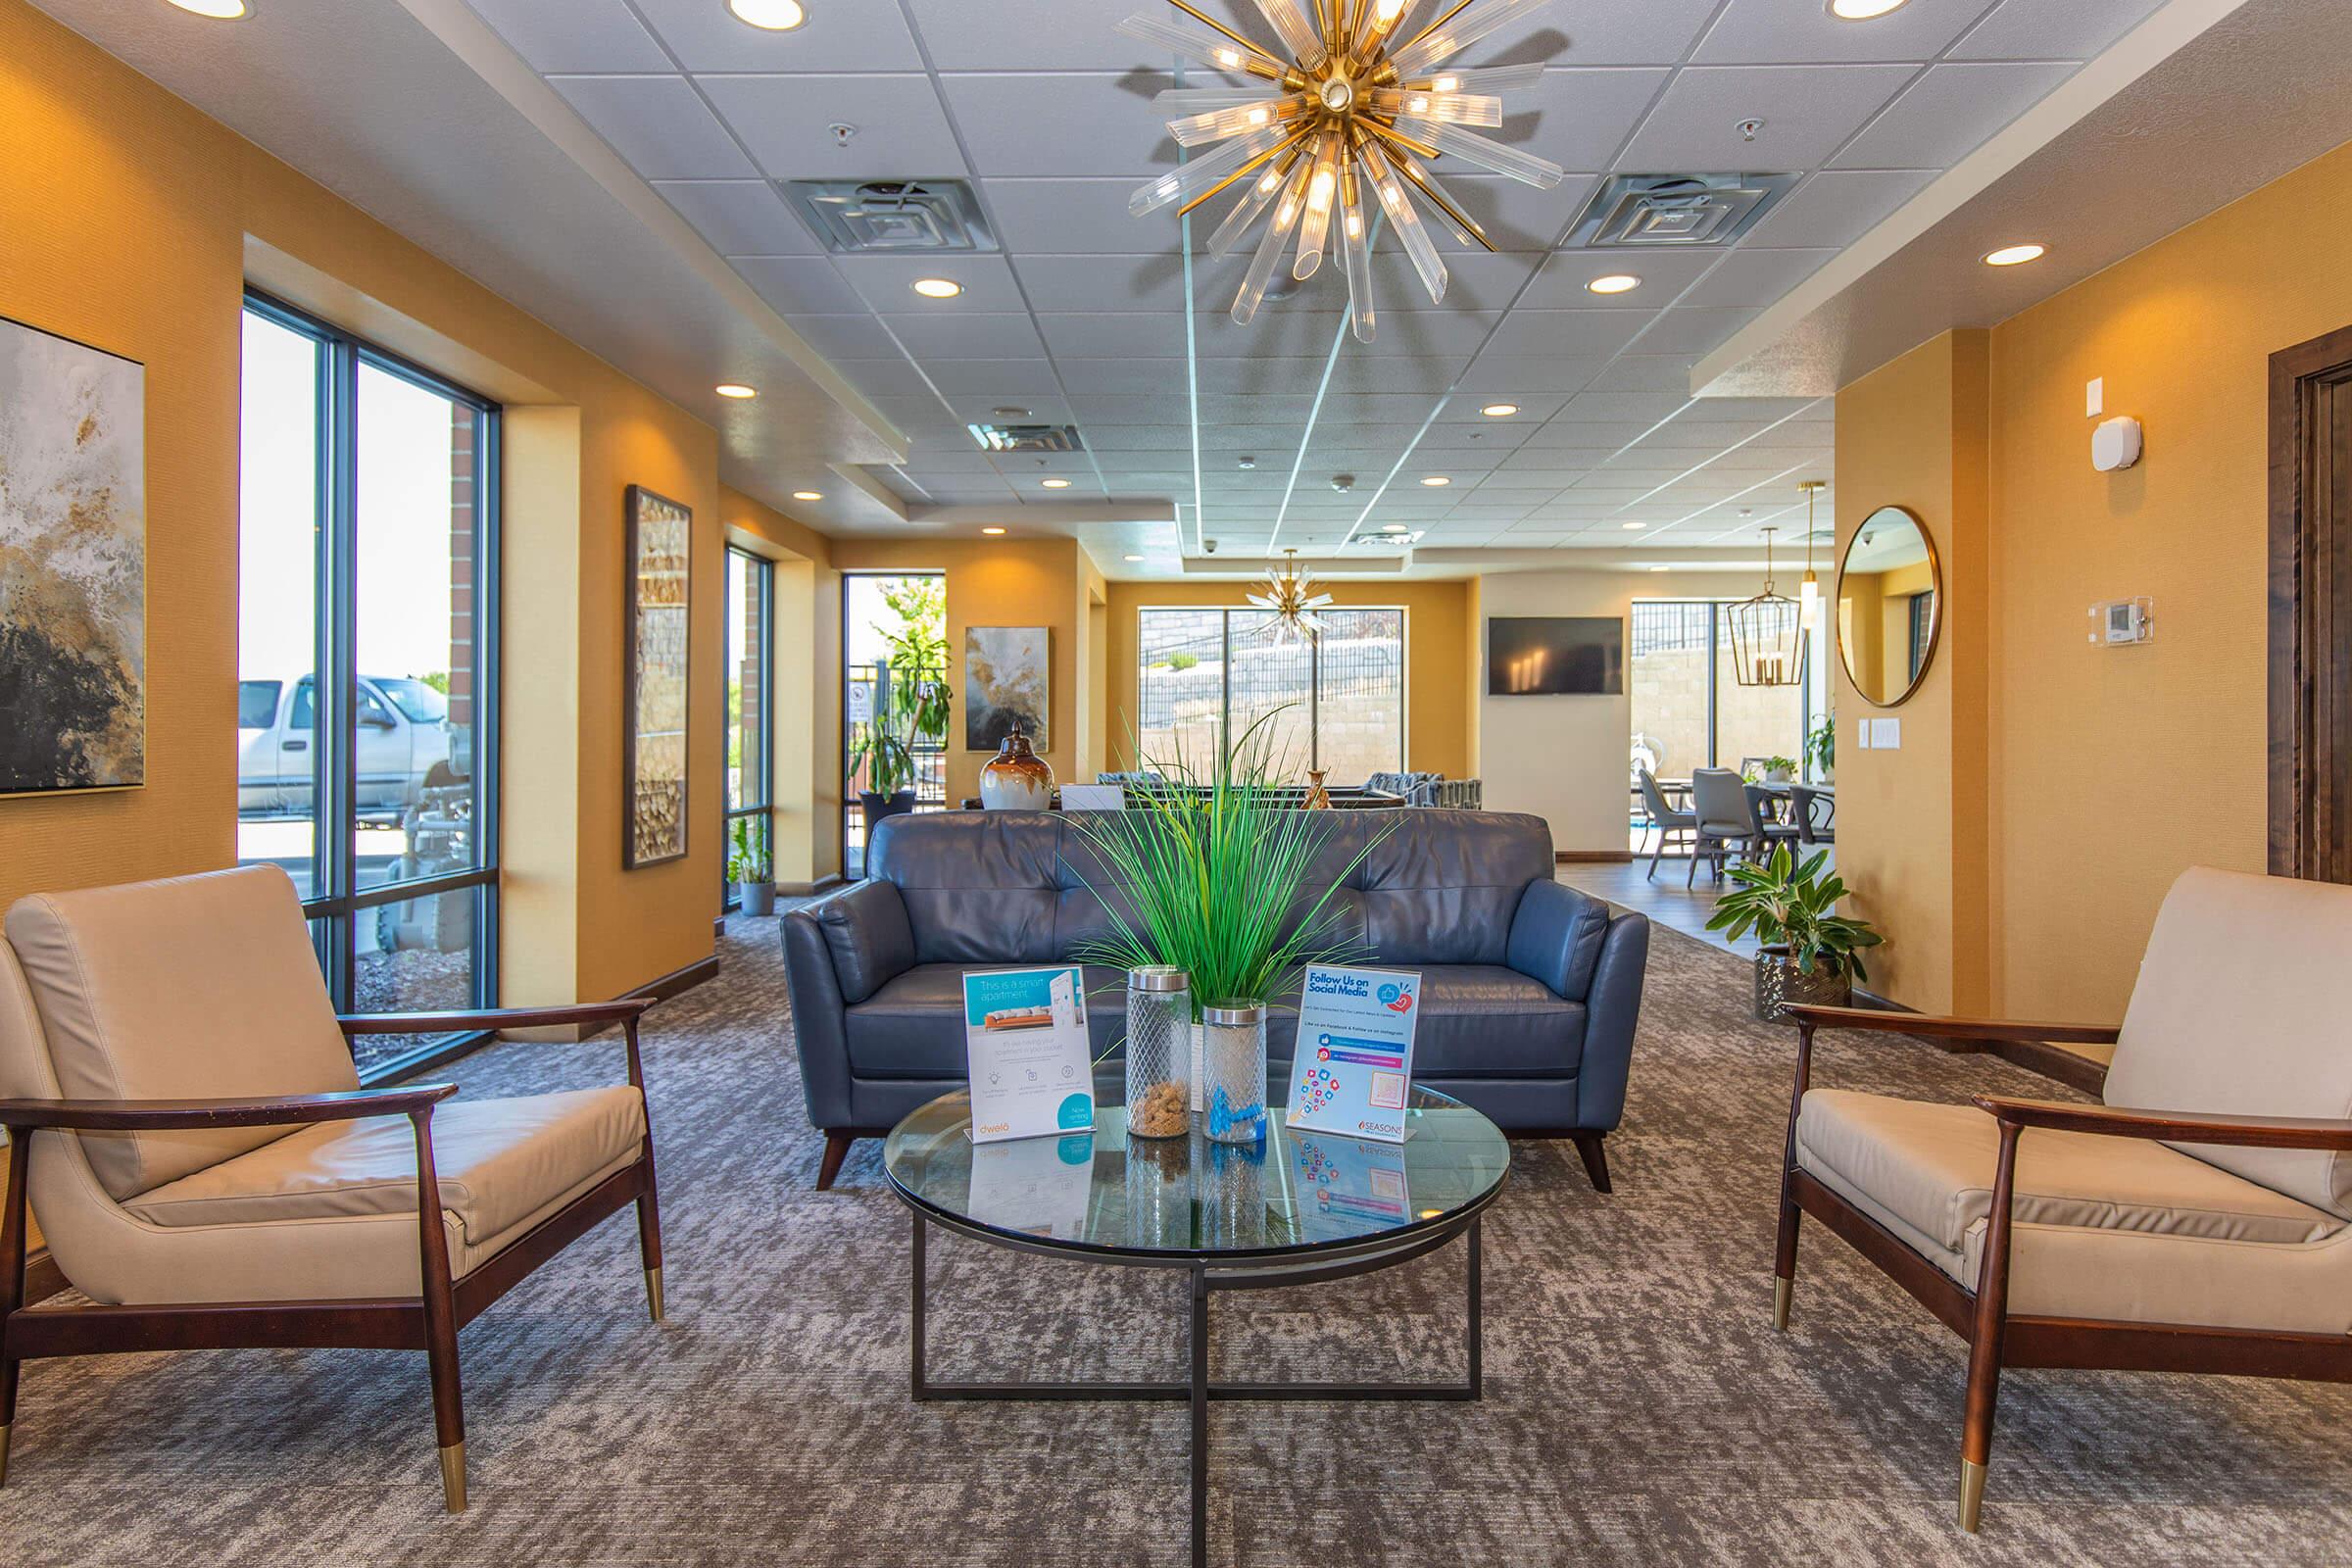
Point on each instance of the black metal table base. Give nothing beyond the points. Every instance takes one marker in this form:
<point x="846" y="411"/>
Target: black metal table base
<point x="1208" y="1279"/>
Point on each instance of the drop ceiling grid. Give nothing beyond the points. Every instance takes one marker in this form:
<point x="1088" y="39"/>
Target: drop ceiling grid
<point x="1052" y="176"/>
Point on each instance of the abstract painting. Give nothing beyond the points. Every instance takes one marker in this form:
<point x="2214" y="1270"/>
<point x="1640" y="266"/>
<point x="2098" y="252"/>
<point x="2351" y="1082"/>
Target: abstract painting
<point x="72" y="565"/>
<point x="1005" y="671"/>
<point x="660" y="559"/>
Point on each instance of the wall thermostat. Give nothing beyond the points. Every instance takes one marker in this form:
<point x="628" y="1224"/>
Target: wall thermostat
<point x="2115" y="443"/>
<point x="2122" y="622"/>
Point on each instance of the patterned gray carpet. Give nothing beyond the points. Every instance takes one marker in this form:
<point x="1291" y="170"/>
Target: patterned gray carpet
<point x="1639" y="1407"/>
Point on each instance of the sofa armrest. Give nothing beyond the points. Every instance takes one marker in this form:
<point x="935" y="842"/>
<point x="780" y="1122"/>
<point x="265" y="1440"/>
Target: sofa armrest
<point x="867" y="936"/>
<point x="1556" y="937"/>
<point x="819" y="1020"/>
<point x="1612" y="1011"/>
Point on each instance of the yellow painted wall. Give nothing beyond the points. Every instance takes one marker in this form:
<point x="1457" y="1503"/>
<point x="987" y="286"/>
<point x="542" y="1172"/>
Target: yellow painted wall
<point x="1437" y="640"/>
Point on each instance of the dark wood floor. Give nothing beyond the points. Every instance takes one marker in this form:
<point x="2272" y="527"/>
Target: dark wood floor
<point x="1664" y="898"/>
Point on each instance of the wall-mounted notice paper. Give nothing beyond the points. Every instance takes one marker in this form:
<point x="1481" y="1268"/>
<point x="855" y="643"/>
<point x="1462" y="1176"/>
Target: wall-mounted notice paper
<point x="1355" y="1051"/>
<point x="1024" y="1033"/>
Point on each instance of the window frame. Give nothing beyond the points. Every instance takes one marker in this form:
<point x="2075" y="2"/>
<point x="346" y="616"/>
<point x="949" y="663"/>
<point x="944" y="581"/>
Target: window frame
<point x="334" y="911"/>
<point x="762" y="579"/>
<point x="1314" y="678"/>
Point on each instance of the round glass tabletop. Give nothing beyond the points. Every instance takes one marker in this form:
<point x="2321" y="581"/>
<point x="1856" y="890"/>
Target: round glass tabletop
<point x="1175" y="1198"/>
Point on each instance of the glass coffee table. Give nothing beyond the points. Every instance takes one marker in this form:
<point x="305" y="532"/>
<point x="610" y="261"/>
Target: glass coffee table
<point x="1299" y="1208"/>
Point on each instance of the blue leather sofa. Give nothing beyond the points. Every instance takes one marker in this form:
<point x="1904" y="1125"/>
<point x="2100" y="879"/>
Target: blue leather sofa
<point x="1529" y="994"/>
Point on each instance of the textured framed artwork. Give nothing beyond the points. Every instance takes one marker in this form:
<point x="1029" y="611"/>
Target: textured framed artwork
<point x="1004" y="685"/>
<point x="654" y="748"/>
<point x="72" y="565"/>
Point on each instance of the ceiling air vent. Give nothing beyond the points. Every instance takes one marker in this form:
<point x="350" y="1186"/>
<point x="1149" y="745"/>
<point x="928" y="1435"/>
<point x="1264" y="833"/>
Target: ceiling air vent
<point x="1634" y="212"/>
<point x="1028" y="437"/>
<point x="891" y="217"/>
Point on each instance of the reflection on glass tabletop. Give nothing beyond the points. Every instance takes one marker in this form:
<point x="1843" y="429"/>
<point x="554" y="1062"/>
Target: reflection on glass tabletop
<point x="1105" y="1192"/>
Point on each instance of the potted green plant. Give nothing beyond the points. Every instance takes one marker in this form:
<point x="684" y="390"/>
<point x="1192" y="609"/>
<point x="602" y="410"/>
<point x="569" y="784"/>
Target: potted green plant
<point x="748" y="866"/>
<point x="1811" y="954"/>
<point x="910" y="706"/>
<point x="1821" y="749"/>
<point x="1218" y="877"/>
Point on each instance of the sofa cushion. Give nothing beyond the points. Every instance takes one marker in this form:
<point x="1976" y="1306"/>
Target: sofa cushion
<point x="914" y="1027"/>
<point x="1480" y="1020"/>
<point x="979" y="887"/>
<point x="2239" y="1010"/>
<point x="198" y="987"/>
<point x="497" y="1161"/>
<point x="1926" y="1170"/>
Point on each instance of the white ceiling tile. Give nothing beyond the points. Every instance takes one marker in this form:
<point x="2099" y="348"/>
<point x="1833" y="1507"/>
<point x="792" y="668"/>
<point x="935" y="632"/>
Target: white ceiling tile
<point x="1693" y="331"/>
<point x="1105" y="334"/>
<point x="883" y="378"/>
<point x="805" y="286"/>
<point x="1803" y="31"/>
<point x="861" y="35"/>
<point x="845" y="337"/>
<point x="1837" y="208"/>
<point x="1052" y="35"/>
<point x="887" y="283"/>
<point x="1079" y="217"/>
<point x="1646" y="373"/>
<point x="1576" y="118"/>
<point x="658" y="124"/>
<point x="901" y="130"/>
<point x="2053" y="29"/>
<point x="1664" y="274"/>
<point x="1750" y="279"/>
<point x="1649" y="407"/>
<point x="1949" y="113"/>
<point x="1005" y="380"/>
<point x="1807" y="110"/>
<point x="1569" y="333"/>
<point x="1597" y="32"/>
<point x="1106" y="282"/>
<point x="585" y="35"/>
<point x="1139" y="439"/>
<point x="1517" y="216"/>
<point x="1033" y="123"/>
<point x="1513" y="375"/>
<point x="966" y="335"/>
<point x="1476" y="281"/>
<point x="740" y="216"/>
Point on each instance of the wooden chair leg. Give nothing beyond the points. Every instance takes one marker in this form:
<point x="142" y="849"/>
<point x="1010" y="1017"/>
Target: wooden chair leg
<point x="12" y="1280"/>
<point x="440" y="1321"/>
<point x="648" y="1211"/>
<point x="1784" y="1257"/>
<point x="837" y="1149"/>
<point x="1597" y="1159"/>
<point x="1984" y="1344"/>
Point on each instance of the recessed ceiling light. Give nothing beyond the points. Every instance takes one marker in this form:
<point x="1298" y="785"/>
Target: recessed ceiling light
<point x="770" y="15"/>
<point x="1637" y="526"/>
<point x="1614" y="283"/>
<point x="1499" y="411"/>
<point x="1054" y="484"/>
<point x="991" y="531"/>
<point x="735" y="389"/>
<point x="1436" y="481"/>
<point x="1393" y="527"/>
<point x="2016" y="255"/>
<point x="1864" y="10"/>
<point x="1134" y="557"/>
<point x="938" y="288"/>
<point x="807" y="495"/>
<point x="1661" y="568"/>
<point x="218" y="10"/>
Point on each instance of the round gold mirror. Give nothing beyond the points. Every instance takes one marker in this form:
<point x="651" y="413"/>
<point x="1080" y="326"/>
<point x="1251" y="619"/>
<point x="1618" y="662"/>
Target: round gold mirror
<point x="1889" y="605"/>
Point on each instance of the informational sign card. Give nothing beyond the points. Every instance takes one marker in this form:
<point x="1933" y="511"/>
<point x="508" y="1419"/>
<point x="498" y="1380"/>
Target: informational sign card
<point x="1355" y="1051"/>
<point x="1032" y="1070"/>
<point x="1353" y="1186"/>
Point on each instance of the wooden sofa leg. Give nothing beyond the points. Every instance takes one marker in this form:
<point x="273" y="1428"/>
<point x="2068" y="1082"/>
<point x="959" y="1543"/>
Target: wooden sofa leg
<point x="1597" y="1159"/>
<point x="837" y="1149"/>
<point x="12" y="1279"/>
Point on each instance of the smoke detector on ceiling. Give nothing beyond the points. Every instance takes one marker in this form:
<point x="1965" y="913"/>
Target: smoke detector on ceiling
<point x="891" y="217"/>
<point x="1639" y="211"/>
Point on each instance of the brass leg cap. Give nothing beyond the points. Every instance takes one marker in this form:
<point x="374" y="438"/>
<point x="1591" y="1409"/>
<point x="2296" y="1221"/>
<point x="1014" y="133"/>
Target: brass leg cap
<point x="1972" y="1495"/>
<point x="652" y="1296"/>
<point x="1782" y="1290"/>
<point x="3" y="1432"/>
<point x="452" y="1476"/>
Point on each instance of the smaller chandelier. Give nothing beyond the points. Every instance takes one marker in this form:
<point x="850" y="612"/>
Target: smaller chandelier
<point x="1768" y="637"/>
<point x="1290" y="595"/>
<point x="1808" y="594"/>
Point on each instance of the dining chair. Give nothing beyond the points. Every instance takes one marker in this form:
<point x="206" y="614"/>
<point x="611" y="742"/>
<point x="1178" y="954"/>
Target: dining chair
<point x="1665" y="819"/>
<point x="1719" y="800"/>
<point x="1815" y="812"/>
<point x="1771" y="828"/>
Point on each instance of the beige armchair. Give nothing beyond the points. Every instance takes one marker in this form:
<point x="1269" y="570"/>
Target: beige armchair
<point x="283" y="1204"/>
<point x="2195" y="1222"/>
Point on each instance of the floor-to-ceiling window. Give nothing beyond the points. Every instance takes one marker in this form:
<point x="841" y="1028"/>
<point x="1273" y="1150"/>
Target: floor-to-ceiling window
<point x="1334" y="702"/>
<point x="749" y="716"/>
<point x="368" y="621"/>
<point x="894" y="695"/>
<point x="1688" y="709"/>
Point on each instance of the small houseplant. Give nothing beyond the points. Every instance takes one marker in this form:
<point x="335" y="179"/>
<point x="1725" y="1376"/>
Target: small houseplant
<point x="1811" y="954"/>
<point x="1774" y="770"/>
<point x="749" y="869"/>
<point x="1821" y="749"/>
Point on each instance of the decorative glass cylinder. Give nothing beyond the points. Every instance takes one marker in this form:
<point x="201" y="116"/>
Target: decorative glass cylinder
<point x="1160" y="1191"/>
<point x="1234" y="1070"/>
<point x="1159" y="1052"/>
<point x="1230" y="1194"/>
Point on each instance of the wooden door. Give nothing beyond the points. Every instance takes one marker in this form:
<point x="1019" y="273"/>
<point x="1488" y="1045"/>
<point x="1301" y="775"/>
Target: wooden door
<point x="2310" y="610"/>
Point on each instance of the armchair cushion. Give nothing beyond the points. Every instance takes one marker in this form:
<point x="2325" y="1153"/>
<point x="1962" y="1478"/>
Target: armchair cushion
<point x="866" y="932"/>
<point x="198" y="986"/>
<point x="1925" y="1172"/>
<point x="2239" y="1011"/>
<point x="497" y="1162"/>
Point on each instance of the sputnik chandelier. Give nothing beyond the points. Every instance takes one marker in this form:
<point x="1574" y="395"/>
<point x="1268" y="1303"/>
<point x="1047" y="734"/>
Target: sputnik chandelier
<point x="1350" y="118"/>
<point x="1290" y="595"/>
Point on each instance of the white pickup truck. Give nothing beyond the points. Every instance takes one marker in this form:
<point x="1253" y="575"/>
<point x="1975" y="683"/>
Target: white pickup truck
<point x="403" y="736"/>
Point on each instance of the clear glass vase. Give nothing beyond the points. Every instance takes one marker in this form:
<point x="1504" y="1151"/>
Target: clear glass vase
<point x="1234" y="1070"/>
<point x="1159" y="1052"/>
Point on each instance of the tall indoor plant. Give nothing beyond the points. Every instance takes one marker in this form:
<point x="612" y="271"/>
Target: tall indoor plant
<point x="1811" y="954"/>
<point x="911" y="701"/>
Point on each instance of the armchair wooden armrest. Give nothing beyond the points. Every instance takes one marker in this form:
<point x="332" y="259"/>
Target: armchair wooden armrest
<point x="627" y="1009"/>
<point x="1936" y="1028"/>
<point x="2330" y="1133"/>
<point x="158" y="1115"/>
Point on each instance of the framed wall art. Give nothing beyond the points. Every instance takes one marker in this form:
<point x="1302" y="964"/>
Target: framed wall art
<point x="1005" y="669"/>
<point x="660" y="559"/>
<point x="72" y="565"/>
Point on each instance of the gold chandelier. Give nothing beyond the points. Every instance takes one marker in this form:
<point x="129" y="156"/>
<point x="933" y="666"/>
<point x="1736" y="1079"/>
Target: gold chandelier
<point x="1351" y="112"/>
<point x="1767" y="633"/>
<point x="1290" y="595"/>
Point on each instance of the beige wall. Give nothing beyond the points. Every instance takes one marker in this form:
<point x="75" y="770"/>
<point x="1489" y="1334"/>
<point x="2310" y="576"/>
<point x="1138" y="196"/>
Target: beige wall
<point x="1437" y="730"/>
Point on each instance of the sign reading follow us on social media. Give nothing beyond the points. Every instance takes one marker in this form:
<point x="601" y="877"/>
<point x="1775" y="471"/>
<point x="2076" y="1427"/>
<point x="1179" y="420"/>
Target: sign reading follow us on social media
<point x="1355" y="1051"/>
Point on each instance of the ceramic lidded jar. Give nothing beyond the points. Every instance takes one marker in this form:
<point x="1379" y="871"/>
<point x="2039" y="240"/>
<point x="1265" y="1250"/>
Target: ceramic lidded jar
<point x="1017" y="778"/>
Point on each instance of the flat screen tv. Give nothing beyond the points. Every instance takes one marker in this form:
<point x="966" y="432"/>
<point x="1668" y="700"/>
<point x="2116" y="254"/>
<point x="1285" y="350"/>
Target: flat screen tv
<point x="1552" y="656"/>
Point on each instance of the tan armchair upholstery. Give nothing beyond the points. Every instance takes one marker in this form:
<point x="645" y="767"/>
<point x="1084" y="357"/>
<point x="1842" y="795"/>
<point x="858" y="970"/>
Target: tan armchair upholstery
<point x="2055" y="1235"/>
<point x="150" y="1036"/>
